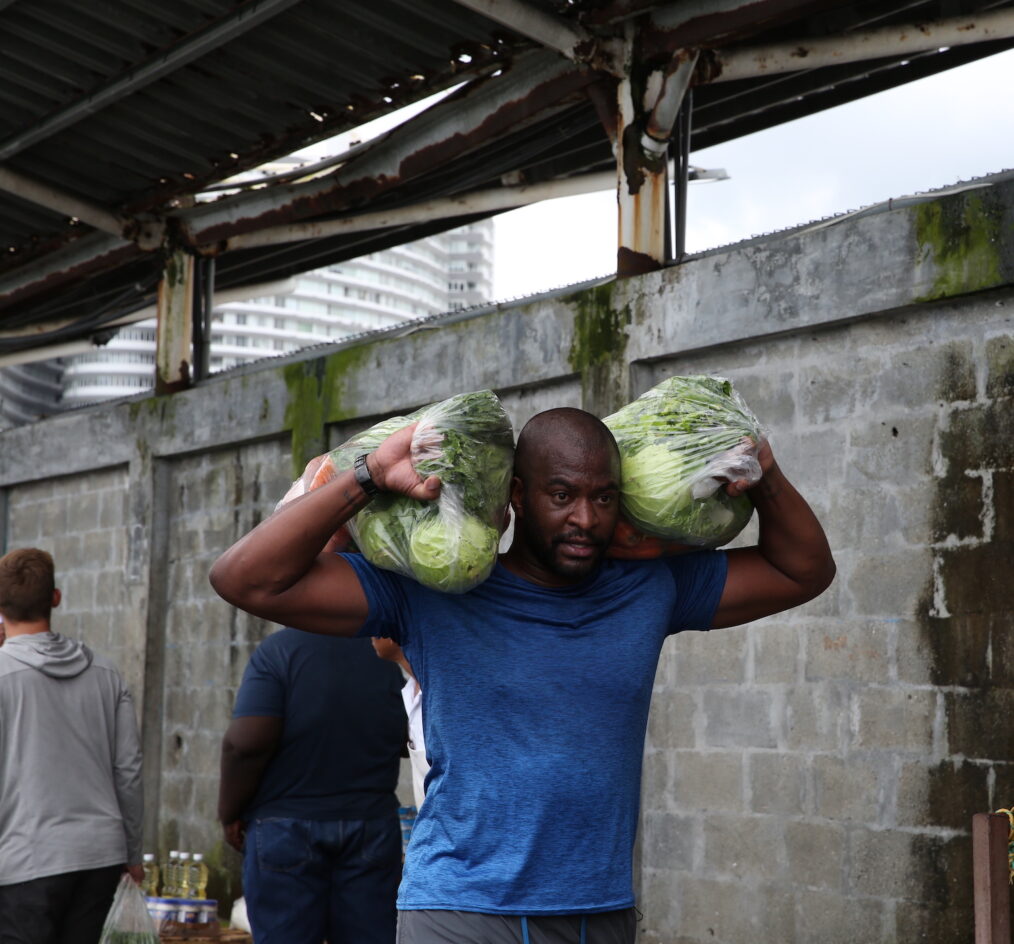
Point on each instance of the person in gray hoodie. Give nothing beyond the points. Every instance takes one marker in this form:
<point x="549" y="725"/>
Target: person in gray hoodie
<point x="70" y="770"/>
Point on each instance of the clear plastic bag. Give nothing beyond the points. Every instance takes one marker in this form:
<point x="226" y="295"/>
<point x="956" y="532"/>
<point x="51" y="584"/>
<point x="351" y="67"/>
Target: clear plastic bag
<point x="449" y="544"/>
<point x="128" y="921"/>
<point x="680" y="443"/>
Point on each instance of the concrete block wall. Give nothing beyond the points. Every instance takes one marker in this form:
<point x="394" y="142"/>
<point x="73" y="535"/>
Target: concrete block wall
<point x="812" y="776"/>
<point x="823" y="752"/>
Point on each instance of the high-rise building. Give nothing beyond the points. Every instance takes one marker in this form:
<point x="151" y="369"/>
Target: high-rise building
<point x="29" y="391"/>
<point x="441" y="273"/>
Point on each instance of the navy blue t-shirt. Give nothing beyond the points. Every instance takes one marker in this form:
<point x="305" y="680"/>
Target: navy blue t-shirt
<point x="535" y="704"/>
<point x="343" y="732"/>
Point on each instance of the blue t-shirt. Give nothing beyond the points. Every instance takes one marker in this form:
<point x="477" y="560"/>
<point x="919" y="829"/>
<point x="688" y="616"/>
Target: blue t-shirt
<point x="343" y="731"/>
<point x="535" y="704"/>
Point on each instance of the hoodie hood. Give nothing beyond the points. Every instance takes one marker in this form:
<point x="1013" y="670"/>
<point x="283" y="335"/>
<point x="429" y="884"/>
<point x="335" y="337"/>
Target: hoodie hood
<point x="52" y="654"/>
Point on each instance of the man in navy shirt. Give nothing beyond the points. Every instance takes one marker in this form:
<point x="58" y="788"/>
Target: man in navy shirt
<point x="536" y="683"/>
<point x="310" y="765"/>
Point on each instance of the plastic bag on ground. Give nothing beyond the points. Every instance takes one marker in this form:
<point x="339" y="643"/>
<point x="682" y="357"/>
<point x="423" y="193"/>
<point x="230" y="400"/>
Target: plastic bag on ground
<point x="449" y="544"/>
<point x="679" y="444"/>
<point x="128" y="921"/>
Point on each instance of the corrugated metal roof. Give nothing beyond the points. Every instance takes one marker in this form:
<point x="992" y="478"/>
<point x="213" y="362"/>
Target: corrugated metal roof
<point x="133" y="106"/>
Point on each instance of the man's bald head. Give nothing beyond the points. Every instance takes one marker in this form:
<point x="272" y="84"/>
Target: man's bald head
<point x="564" y="429"/>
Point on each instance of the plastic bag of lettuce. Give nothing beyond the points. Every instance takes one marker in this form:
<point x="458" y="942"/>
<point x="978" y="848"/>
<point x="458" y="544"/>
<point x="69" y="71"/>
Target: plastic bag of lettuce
<point x="677" y="443"/>
<point x="449" y="544"/>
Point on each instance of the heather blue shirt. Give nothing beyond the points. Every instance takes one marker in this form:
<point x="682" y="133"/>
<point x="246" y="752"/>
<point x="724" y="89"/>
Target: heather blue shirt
<point x="344" y="727"/>
<point x="535" y="704"/>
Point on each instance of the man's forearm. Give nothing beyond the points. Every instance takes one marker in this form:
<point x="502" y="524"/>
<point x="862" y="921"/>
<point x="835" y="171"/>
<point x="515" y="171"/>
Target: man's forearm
<point x="283" y="547"/>
<point x="240" y="778"/>
<point x="791" y="538"/>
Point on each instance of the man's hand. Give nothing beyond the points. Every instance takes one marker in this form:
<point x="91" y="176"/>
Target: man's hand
<point x="391" y="468"/>
<point x="235" y="834"/>
<point x="737" y="486"/>
<point x="136" y="872"/>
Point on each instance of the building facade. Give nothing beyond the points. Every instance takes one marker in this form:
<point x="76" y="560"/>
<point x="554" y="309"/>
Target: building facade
<point x="445" y="272"/>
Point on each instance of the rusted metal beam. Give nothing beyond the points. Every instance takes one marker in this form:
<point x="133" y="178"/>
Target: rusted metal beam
<point x="175" y="324"/>
<point x="553" y="32"/>
<point x="481" y="201"/>
<point x="96" y="252"/>
<point x="162" y="63"/>
<point x="537" y="84"/>
<point x="730" y="65"/>
<point x="990" y="878"/>
<point x="25" y="188"/>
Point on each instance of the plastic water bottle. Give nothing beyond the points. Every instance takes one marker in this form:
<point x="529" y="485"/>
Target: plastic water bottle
<point x="150" y="884"/>
<point x="198" y="877"/>
<point x="183" y="876"/>
<point x="169" y="870"/>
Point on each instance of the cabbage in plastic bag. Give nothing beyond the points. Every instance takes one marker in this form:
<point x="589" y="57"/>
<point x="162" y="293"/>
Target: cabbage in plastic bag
<point x="678" y="443"/>
<point x="449" y="544"/>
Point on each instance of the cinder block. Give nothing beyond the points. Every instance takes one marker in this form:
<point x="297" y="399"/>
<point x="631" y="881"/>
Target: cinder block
<point x="827" y="918"/>
<point x="711" y="780"/>
<point x="775" y="652"/>
<point x="671" y="721"/>
<point x="816" y="854"/>
<point x="850" y="788"/>
<point x="1000" y="367"/>
<point x="979" y="724"/>
<point x="920" y="377"/>
<point x="920" y="867"/>
<point x="735" y="717"/>
<point x="895" y="447"/>
<point x="734" y="912"/>
<point x="980" y="437"/>
<point x="896" y="719"/>
<point x="914" y="655"/>
<point x="747" y="848"/>
<point x="976" y="579"/>
<point x="862" y="515"/>
<point x="853" y="651"/>
<point x="834" y="390"/>
<point x="667" y="840"/>
<point x="889" y="585"/>
<point x="945" y="794"/>
<point x="704" y="658"/>
<point x="817" y="717"/>
<point x="777" y="783"/>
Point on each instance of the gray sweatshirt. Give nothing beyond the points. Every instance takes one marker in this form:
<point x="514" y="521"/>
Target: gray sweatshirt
<point x="70" y="761"/>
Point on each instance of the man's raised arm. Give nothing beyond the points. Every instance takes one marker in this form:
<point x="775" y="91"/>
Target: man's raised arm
<point x="278" y="570"/>
<point x="792" y="561"/>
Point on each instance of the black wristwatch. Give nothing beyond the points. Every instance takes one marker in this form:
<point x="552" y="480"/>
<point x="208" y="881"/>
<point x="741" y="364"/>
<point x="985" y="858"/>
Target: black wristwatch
<point x="363" y="477"/>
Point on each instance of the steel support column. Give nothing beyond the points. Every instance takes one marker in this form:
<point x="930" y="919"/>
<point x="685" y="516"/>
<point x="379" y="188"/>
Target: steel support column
<point x="175" y="324"/>
<point x="646" y="118"/>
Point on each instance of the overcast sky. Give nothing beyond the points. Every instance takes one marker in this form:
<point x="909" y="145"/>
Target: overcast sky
<point x="924" y="135"/>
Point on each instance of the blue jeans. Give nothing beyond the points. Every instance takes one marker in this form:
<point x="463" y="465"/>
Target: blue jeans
<point x="307" y="881"/>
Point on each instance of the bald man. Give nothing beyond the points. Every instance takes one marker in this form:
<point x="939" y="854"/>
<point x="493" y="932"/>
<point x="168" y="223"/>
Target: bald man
<point x="536" y="684"/>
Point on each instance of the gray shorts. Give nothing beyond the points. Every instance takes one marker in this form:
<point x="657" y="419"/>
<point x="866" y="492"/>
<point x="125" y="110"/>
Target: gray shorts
<point x="468" y="927"/>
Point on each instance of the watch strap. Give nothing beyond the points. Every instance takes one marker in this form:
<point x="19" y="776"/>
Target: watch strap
<point x="363" y="477"/>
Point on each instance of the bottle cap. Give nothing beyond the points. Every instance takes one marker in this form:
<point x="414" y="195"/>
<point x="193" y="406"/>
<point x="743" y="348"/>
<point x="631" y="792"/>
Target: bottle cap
<point x="148" y="857"/>
<point x="173" y="853"/>
<point x="198" y="856"/>
<point x="184" y="855"/>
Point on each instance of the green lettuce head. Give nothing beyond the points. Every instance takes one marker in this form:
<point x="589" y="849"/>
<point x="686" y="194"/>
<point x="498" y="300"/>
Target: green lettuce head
<point x="452" y="554"/>
<point x="657" y="499"/>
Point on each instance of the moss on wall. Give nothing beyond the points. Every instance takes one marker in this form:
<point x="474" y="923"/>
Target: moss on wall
<point x="961" y="234"/>
<point x="318" y="394"/>
<point x="598" y="348"/>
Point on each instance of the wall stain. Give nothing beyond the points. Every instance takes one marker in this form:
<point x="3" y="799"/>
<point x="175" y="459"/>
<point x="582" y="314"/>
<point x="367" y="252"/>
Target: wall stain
<point x="598" y="348"/>
<point x="319" y="394"/>
<point x="962" y="235"/>
<point x="966" y="625"/>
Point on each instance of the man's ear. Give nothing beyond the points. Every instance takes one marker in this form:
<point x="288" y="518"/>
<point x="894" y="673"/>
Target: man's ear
<point x="517" y="493"/>
<point x="57" y="597"/>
